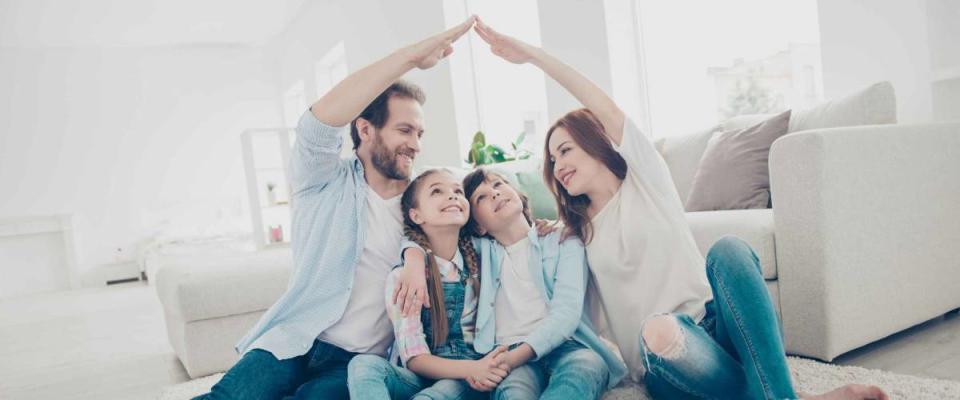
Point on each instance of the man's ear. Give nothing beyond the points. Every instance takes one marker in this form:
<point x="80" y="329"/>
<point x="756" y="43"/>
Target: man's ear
<point x="365" y="130"/>
<point x="415" y="216"/>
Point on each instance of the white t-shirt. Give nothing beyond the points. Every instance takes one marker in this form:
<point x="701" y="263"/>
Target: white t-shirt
<point x="519" y="305"/>
<point x="365" y="327"/>
<point x="643" y="258"/>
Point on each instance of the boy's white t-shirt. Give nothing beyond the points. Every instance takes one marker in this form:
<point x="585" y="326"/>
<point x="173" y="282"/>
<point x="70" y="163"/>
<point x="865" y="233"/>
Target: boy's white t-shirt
<point x="643" y="257"/>
<point x="519" y="305"/>
<point x="365" y="327"/>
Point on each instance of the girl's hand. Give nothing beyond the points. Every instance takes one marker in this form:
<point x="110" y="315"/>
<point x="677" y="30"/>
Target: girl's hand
<point x="428" y="52"/>
<point x="506" y="47"/>
<point x="488" y="372"/>
<point x="410" y="292"/>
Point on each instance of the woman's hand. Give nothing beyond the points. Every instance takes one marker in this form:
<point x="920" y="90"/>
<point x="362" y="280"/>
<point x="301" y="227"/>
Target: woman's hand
<point x="428" y="52"/>
<point x="410" y="292"/>
<point x="488" y="371"/>
<point x="506" y="47"/>
<point x="546" y="227"/>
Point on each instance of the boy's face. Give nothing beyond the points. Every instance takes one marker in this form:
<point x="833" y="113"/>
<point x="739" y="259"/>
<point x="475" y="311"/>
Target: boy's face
<point x="495" y="204"/>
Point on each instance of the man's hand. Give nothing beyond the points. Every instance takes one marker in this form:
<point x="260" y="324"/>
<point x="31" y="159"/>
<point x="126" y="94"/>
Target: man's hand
<point x="410" y="292"/>
<point x="428" y="52"/>
<point x="506" y="47"/>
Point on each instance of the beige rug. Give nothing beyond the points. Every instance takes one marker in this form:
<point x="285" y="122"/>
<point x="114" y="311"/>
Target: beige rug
<point x="808" y="376"/>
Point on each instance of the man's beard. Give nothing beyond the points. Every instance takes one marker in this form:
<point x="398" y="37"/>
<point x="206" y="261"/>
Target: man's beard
<point x="385" y="161"/>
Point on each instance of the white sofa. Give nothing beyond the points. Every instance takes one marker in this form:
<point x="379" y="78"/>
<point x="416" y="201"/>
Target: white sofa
<point x="858" y="245"/>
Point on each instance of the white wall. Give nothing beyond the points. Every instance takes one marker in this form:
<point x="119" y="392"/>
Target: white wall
<point x="371" y="30"/>
<point x="574" y="31"/>
<point x="865" y="41"/>
<point x="132" y="141"/>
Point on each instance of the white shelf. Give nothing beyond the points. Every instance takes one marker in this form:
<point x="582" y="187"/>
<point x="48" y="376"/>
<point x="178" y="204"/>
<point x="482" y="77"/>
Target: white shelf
<point x="263" y="151"/>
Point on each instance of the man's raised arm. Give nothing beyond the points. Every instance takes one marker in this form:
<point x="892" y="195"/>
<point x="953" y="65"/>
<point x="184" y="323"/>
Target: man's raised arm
<point x="348" y="98"/>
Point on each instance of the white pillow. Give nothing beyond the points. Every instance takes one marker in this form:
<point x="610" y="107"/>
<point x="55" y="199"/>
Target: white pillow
<point x="874" y="105"/>
<point x="682" y="155"/>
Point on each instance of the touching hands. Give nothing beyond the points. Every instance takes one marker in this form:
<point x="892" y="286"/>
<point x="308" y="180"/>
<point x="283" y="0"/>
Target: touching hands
<point x="506" y="47"/>
<point x="428" y="52"/>
<point x="489" y="371"/>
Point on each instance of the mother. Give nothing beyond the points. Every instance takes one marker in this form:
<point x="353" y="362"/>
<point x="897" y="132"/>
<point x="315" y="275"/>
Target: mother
<point x="685" y="330"/>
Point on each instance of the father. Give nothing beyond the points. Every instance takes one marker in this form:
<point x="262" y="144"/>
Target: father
<point x="347" y="228"/>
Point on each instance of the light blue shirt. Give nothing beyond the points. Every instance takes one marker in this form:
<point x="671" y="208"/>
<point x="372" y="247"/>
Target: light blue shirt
<point x="328" y="232"/>
<point x="559" y="270"/>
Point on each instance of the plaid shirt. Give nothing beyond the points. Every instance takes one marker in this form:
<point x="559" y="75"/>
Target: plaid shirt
<point x="409" y="338"/>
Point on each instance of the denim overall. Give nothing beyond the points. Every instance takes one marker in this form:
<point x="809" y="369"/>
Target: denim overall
<point x="455" y="348"/>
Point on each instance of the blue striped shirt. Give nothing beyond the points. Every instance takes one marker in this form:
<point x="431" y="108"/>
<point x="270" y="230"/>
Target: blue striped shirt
<point x="328" y="232"/>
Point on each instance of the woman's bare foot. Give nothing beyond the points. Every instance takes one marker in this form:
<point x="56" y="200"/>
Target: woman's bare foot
<point x="850" y="392"/>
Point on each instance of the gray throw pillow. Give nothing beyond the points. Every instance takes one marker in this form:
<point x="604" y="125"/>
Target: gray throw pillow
<point x="733" y="172"/>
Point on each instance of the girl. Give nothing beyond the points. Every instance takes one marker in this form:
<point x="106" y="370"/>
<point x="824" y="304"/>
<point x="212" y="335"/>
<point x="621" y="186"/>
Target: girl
<point x="435" y="348"/>
<point x="688" y="332"/>
<point x="531" y="299"/>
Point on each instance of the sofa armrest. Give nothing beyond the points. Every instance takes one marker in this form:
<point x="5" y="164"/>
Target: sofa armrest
<point x="867" y="225"/>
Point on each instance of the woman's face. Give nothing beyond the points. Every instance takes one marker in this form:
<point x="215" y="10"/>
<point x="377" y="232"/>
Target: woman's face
<point x="495" y="204"/>
<point x="440" y="202"/>
<point x="573" y="168"/>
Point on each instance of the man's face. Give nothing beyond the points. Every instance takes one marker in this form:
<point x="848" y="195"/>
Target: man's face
<point x="397" y="143"/>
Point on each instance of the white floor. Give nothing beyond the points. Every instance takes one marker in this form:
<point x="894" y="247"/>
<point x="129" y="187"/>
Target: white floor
<point x="110" y="343"/>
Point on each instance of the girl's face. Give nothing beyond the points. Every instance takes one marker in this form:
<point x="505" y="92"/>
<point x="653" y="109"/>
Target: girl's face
<point x="440" y="202"/>
<point x="495" y="204"/>
<point x="573" y="168"/>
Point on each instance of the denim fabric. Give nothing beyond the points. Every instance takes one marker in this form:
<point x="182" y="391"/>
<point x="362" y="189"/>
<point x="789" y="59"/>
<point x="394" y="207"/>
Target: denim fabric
<point x="320" y="373"/>
<point x="372" y="377"/>
<point x="736" y="352"/>
<point x="570" y="371"/>
<point x="559" y="269"/>
<point x="455" y="347"/>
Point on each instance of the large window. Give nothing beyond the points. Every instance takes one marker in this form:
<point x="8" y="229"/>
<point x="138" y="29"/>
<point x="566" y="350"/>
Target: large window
<point x="706" y="61"/>
<point x="491" y="95"/>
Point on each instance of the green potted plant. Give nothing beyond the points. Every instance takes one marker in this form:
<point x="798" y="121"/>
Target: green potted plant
<point x="481" y="153"/>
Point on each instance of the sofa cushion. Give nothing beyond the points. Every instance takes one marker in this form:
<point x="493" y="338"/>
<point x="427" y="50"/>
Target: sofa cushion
<point x="753" y="226"/>
<point x="733" y="172"/>
<point x="541" y="200"/>
<point x="202" y="286"/>
<point x="682" y="155"/>
<point x="874" y="105"/>
<point x="742" y="121"/>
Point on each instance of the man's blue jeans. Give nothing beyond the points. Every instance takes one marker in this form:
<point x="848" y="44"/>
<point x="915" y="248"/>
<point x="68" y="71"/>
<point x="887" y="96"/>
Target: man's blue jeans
<point x="320" y="373"/>
<point x="736" y="352"/>
<point x="570" y="371"/>
<point x="373" y="377"/>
